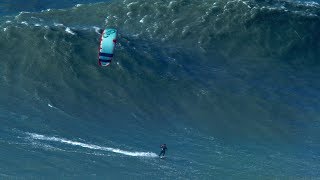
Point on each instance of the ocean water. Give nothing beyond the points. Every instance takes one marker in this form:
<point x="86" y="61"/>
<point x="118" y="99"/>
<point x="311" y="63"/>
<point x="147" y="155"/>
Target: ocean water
<point x="232" y="88"/>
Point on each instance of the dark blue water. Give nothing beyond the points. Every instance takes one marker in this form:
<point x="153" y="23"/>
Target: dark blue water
<point x="232" y="87"/>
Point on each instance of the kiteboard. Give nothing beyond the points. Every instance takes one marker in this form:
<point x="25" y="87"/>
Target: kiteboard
<point x="162" y="157"/>
<point x="107" y="44"/>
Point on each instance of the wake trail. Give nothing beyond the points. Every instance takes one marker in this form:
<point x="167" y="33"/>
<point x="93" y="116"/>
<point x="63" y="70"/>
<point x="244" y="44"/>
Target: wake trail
<point x="90" y="146"/>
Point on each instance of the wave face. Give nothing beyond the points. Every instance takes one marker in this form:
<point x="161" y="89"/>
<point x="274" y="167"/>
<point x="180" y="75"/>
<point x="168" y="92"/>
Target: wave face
<point x="285" y="29"/>
<point x="226" y="84"/>
<point x="282" y="29"/>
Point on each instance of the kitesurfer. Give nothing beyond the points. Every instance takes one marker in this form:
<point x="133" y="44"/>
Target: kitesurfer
<point x="163" y="150"/>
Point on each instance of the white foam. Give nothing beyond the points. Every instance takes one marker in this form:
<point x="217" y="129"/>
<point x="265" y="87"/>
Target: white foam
<point x="171" y="4"/>
<point x="24" y="22"/>
<point x="185" y="30"/>
<point x="78" y="5"/>
<point x="50" y="105"/>
<point x="58" y="24"/>
<point x="311" y="4"/>
<point x="37" y="25"/>
<point x="8" y="22"/>
<point x="91" y="146"/>
<point x="23" y="12"/>
<point x="68" y="30"/>
<point x="142" y="20"/>
<point x="4" y="29"/>
<point x="96" y="29"/>
<point x="132" y="3"/>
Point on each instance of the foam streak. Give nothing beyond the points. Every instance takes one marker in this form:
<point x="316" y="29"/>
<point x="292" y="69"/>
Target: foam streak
<point x="90" y="146"/>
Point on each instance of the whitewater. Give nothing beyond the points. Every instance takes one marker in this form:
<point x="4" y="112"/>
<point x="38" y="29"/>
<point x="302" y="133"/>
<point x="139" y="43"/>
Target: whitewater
<point x="90" y="146"/>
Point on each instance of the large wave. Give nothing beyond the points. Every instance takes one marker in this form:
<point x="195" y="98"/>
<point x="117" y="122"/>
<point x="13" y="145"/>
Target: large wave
<point x="172" y="60"/>
<point x="285" y="29"/>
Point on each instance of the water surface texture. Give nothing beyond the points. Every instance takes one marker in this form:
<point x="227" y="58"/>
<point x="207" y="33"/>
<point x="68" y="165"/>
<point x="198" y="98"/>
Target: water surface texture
<point x="232" y="88"/>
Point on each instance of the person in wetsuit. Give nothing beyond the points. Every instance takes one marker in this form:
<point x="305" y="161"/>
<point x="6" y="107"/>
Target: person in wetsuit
<point x="163" y="149"/>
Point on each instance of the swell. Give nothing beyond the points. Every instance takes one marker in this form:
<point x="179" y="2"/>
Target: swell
<point x="57" y="65"/>
<point x="161" y="72"/>
<point x="282" y="29"/>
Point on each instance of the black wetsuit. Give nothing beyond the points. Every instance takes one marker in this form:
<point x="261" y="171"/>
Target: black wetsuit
<point x="163" y="150"/>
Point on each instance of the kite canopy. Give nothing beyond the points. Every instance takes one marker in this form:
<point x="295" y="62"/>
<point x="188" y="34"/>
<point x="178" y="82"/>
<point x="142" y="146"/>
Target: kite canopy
<point x="107" y="43"/>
